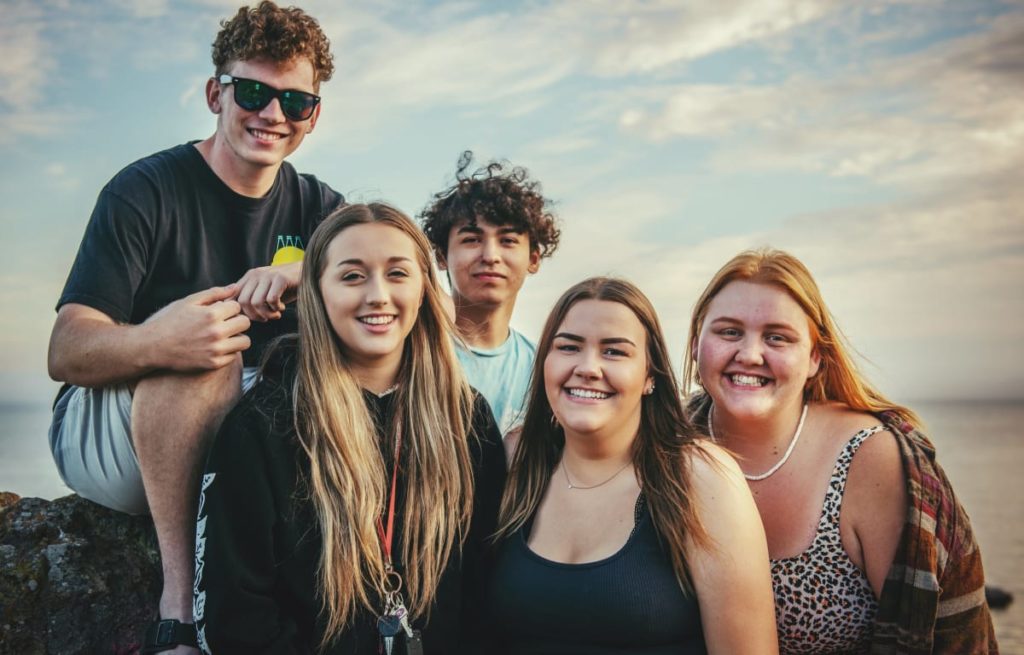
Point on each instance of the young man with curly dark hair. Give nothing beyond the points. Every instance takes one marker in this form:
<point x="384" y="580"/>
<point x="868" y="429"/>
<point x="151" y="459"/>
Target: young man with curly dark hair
<point x="182" y="277"/>
<point x="490" y="230"/>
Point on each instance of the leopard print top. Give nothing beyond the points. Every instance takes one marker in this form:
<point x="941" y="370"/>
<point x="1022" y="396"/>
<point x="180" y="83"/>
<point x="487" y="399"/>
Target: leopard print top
<point x="823" y="602"/>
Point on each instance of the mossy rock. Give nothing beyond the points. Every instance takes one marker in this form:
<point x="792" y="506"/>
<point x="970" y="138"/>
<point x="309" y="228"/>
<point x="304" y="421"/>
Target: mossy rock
<point x="75" y="577"/>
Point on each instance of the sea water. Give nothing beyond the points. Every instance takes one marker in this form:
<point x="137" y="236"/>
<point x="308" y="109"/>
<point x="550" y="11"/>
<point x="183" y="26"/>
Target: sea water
<point x="981" y="448"/>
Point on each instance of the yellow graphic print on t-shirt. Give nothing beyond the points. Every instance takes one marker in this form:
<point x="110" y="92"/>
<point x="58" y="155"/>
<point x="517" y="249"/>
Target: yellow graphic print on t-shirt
<point x="289" y="250"/>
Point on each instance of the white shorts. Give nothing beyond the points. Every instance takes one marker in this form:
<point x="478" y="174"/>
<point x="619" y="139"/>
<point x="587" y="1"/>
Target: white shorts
<point x="90" y="438"/>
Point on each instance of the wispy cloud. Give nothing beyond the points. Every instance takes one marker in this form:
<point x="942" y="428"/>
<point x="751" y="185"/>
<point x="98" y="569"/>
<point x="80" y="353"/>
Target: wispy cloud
<point x="488" y="58"/>
<point x="25" y="58"/>
<point x="60" y="177"/>
<point x="952" y="111"/>
<point x="143" y="8"/>
<point x="645" y="37"/>
<point x="26" y="62"/>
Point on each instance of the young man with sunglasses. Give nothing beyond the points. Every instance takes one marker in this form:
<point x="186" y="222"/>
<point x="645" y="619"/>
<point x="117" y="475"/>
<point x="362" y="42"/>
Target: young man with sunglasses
<point x="181" y="279"/>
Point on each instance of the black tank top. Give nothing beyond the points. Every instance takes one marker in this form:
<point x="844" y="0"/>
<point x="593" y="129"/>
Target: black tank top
<point x="629" y="602"/>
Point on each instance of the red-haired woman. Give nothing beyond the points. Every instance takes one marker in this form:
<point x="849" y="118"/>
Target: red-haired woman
<point x="869" y="548"/>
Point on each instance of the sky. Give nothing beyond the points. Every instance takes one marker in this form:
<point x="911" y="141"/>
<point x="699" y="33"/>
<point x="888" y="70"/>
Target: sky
<point x="881" y="141"/>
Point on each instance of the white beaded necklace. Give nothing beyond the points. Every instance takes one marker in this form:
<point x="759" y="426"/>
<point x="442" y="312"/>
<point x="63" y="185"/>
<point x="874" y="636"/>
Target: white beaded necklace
<point x="778" y="464"/>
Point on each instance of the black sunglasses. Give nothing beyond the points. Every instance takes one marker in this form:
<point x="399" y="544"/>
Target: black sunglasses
<point x="251" y="95"/>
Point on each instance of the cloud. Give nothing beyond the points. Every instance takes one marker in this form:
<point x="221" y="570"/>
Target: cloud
<point x="26" y="64"/>
<point x="193" y="94"/>
<point x="25" y="59"/>
<point x="562" y="144"/>
<point x="143" y="8"/>
<point x="953" y="111"/>
<point x="25" y="122"/>
<point x="59" y="176"/>
<point x="481" y="59"/>
<point x="654" y="35"/>
<point x="43" y="45"/>
<point x="395" y="58"/>
<point x="708" y="111"/>
<point x="486" y="60"/>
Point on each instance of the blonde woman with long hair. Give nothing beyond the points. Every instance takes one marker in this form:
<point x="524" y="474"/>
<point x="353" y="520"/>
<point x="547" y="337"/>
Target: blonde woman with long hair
<point x="621" y="533"/>
<point x="348" y="498"/>
<point x="870" y="550"/>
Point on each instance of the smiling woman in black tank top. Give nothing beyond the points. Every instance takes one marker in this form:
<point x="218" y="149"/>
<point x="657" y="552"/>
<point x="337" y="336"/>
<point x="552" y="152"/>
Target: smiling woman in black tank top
<point x="618" y="532"/>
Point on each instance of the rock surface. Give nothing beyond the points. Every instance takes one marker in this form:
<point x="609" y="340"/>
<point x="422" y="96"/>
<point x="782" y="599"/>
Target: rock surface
<point x="998" y="599"/>
<point x="75" y="577"/>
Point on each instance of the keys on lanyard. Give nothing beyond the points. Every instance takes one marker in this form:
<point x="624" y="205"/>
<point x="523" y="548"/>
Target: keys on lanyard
<point x="395" y="621"/>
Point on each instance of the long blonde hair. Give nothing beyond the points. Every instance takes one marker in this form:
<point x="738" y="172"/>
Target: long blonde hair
<point x="347" y="480"/>
<point x="661" y="452"/>
<point x="838" y="378"/>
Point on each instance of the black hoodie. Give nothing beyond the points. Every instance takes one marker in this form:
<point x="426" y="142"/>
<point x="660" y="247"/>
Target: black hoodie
<point x="258" y="542"/>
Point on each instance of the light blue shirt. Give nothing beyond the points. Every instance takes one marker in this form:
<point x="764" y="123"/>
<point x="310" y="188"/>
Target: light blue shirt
<point x="502" y="375"/>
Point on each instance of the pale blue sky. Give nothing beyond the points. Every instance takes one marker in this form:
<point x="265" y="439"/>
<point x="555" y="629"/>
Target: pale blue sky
<point x="880" y="141"/>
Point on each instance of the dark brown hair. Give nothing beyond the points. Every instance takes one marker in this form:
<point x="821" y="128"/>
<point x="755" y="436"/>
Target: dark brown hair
<point x="275" y="33"/>
<point x="663" y="449"/>
<point x="499" y="194"/>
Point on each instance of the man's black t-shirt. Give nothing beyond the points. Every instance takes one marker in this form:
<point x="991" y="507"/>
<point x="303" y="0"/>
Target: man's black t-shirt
<point x="166" y="226"/>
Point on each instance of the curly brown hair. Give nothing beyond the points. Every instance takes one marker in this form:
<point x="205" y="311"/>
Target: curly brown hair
<point x="275" y="33"/>
<point x="497" y="193"/>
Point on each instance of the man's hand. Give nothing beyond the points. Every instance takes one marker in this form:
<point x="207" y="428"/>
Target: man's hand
<point x="262" y="292"/>
<point x="203" y="331"/>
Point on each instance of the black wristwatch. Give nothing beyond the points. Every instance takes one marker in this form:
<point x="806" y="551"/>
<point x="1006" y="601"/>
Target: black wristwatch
<point x="167" y="634"/>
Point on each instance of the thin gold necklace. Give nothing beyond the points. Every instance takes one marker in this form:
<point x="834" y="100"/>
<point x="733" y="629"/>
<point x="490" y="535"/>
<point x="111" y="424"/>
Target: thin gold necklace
<point x="565" y="472"/>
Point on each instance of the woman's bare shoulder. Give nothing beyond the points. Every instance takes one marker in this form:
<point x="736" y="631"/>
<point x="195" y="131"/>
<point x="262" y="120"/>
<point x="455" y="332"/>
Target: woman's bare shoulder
<point x="843" y="421"/>
<point x="717" y="479"/>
